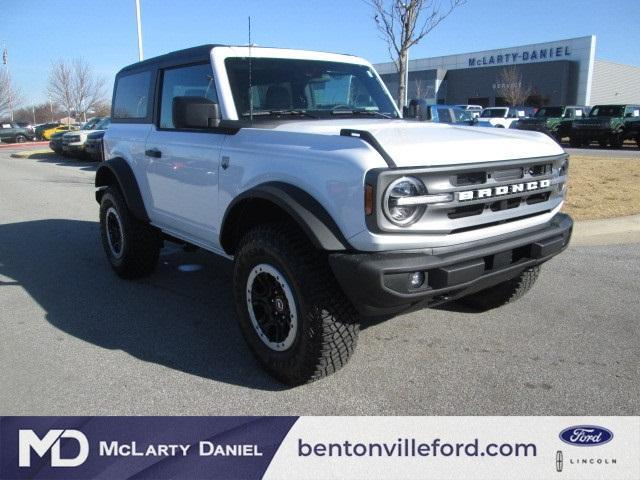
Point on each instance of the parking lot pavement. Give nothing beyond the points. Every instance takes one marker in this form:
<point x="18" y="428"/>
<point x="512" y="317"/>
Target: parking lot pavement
<point x="626" y="152"/>
<point x="75" y="339"/>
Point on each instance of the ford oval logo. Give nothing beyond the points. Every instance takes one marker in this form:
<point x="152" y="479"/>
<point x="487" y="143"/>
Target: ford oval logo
<point x="586" y="435"/>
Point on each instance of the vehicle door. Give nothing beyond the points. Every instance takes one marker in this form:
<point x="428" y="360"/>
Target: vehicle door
<point x="182" y="164"/>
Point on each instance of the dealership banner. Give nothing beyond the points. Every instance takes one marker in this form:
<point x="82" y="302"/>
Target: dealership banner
<point x="320" y="447"/>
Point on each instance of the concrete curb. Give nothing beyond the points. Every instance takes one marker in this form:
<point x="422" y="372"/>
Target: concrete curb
<point x="607" y="231"/>
<point x="30" y="153"/>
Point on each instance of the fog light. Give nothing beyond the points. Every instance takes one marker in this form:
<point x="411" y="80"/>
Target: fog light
<point x="416" y="279"/>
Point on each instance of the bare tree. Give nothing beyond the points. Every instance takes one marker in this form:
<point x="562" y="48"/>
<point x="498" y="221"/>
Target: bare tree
<point x="403" y="24"/>
<point x="42" y="112"/>
<point x="10" y="96"/>
<point x="511" y="87"/>
<point x="89" y="90"/>
<point x="74" y="86"/>
<point x="60" y="87"/>
<point x="420" y="88"/>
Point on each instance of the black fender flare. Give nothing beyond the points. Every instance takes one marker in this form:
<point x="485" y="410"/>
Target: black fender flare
<point x="305" y="210"/>
<point x="117" y="171"/>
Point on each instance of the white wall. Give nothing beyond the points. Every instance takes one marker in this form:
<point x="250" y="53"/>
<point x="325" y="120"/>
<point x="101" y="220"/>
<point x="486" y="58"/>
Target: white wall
<point x="615" y="83"/>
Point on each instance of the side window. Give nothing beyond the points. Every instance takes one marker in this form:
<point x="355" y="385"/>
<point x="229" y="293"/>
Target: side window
<point x="132" y="96"/>
<point x="191" y="81"/>
<point x="569" y="113"/>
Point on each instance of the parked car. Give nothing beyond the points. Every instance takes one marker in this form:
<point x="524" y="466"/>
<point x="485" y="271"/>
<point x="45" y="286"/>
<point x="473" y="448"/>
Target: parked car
<point x="606" y="124"/>
<point x="555" y="121"/>
<point x="39" y="130"/>
<point x="475" y="110"/>
<point x="55" y="143"/>
<point x="46" y="134"/>
<point x="93" y="146"/>
<point x="330" y="210"/>
<point x="73" y="143"/>
<point x="420" y="110"/>
<point x="13" y="133"/>
<point x="501" y="117"/>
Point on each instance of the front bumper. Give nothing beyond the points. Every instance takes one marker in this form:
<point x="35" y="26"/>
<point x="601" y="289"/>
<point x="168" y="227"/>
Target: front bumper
<point x="378" y="283"/>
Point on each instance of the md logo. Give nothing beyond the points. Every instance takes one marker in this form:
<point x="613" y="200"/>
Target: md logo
<point x="28" y="440"/>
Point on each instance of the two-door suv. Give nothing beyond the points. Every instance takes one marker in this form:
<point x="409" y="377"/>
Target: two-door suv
<point x="607" y="124"/>
<point x="555" y="121"/>
<point x="298" y="166"/>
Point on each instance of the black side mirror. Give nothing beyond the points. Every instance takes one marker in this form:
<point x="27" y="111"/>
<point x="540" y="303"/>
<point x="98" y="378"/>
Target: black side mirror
<point x="195" y="112"/>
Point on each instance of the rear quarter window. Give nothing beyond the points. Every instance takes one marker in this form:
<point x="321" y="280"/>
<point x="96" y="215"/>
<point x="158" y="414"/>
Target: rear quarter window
<point x="131" y="99"/>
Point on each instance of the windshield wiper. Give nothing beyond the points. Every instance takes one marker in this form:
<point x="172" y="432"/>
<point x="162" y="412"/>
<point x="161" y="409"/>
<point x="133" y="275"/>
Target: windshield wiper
<point x="302" y="113"/>
<point x="372" y="113"/>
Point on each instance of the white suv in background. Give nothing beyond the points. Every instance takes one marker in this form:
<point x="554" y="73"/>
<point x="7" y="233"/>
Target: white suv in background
<point x="501" y="117"/>
<point x="475" y="110"/>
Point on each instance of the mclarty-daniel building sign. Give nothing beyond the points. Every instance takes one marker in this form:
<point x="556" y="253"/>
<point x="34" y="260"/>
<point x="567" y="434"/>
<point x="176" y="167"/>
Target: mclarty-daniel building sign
<point x="560" y="70"/>
<point x="543" y="54"/>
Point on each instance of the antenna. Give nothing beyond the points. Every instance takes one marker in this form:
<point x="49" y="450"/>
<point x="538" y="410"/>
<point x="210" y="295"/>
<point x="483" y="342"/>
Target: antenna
<point x="250" y="92"/>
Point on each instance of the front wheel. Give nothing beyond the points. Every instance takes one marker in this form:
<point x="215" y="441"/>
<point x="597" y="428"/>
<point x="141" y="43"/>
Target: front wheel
<point x="505" y="292"/>
<point x="21" y="139"/>
<point x="292" y="313"/>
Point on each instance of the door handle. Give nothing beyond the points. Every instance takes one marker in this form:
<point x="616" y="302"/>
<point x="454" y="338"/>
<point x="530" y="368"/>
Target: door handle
<point x="153" y="152"/>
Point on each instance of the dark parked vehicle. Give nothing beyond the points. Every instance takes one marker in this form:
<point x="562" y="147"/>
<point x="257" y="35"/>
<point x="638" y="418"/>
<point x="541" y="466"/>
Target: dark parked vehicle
<point x="39" y="130"/>
<point x="93" y="146"/>
<point x="554" y="121"/>
<point x="13" y="133"/>
<point x="55" y="143"/>
<point x="606" y="124"/>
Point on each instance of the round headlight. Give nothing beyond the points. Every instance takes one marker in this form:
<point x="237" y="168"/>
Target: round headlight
<point x="395" y="209"/>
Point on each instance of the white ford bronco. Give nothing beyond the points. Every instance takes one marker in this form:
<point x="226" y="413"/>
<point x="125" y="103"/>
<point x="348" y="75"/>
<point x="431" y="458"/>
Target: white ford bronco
<point x="298" y="166"/>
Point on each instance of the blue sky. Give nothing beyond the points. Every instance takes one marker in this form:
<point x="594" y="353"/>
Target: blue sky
<point x="37" y="32"/>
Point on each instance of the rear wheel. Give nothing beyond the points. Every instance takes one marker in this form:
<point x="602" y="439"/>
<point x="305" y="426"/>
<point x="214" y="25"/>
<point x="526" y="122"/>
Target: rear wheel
<point x="292" y="313"/>
<point x="21" y="139"/>
<point x="504" y="292"/>
<point x="132" y="246"/>
<point x="575" y="142"/>
<point x="603" y="142"/>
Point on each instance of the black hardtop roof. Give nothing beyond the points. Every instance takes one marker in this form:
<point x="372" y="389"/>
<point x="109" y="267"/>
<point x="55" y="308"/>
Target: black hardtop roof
<point x="187" y="55"/>
<point x="184" y="56"/>
<point x="616" y="105"/>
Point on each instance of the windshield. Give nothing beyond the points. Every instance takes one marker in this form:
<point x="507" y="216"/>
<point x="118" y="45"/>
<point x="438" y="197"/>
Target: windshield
<point x="463" y="115"/>
<point x="549" y="112"/>
<point x="103" y="124"/>
<point x="311" y="87"/>
<point x="90" y="124"/>
<point x="494" y="112"/>
<point x="607" y="111"/>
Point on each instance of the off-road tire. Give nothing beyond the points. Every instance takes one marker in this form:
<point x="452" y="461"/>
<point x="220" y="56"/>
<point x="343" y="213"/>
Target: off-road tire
<point x="21" y="139"/>
<point x="141" y="242"/>
<point x="603" y="142"/>
<point x="575" y="142"/>
<point x="616" y="141"/>
<point x="327" y="323"/>
<point x="505" y="292"/>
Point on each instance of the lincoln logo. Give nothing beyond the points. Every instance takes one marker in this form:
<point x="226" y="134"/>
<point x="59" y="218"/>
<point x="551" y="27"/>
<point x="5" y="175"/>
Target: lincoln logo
<point x="503" y="190"/>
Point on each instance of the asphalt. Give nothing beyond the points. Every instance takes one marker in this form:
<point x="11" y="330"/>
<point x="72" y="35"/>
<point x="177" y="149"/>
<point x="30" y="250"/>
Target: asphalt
<point x="75" y="339"/>
<point x="627" y="151"/>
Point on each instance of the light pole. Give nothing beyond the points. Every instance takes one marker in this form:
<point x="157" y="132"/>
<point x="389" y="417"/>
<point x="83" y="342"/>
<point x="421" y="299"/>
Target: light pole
<point x="140" y="55"/>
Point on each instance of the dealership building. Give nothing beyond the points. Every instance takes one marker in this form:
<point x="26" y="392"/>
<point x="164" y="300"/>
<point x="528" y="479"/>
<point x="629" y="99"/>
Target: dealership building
<point x="562" y="72"/>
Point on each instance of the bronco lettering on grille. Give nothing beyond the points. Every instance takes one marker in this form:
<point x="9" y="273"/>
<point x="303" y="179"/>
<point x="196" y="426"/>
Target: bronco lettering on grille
<point x="503" y="190"/>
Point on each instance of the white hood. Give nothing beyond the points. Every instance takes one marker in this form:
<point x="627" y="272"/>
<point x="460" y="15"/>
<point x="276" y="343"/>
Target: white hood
<point x="421" y="143"/>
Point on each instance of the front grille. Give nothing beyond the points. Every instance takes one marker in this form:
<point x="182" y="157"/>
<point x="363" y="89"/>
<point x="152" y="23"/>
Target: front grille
<point x="505" y="202"/>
